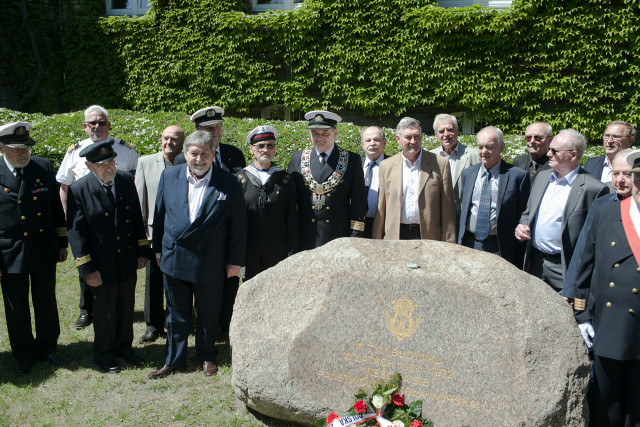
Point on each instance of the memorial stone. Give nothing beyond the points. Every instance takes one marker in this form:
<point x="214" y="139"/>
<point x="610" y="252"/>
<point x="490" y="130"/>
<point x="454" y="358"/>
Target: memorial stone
<point x="477" y="340"/>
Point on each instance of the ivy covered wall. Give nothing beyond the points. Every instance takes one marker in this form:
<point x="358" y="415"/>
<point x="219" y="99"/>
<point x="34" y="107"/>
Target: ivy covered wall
<point x="573" y="63"/>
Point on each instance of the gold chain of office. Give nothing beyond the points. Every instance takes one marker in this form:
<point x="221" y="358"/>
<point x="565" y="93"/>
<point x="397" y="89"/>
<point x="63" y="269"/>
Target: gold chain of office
<point x="334" y="179"/>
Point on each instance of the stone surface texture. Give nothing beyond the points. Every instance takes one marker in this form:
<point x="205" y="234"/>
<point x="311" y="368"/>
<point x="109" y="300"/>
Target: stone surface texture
<point x="477" y="340"/>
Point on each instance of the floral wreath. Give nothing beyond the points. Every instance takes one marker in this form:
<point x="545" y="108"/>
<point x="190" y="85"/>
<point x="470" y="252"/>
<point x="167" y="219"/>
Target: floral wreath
<point x="388" y="406"/>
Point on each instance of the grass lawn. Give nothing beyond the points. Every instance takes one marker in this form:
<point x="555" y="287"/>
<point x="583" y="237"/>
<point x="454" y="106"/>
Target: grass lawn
<point x="79" y="394"/>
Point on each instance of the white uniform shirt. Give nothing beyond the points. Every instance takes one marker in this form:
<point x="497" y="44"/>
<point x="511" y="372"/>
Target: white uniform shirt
<point x="73" y="167"/>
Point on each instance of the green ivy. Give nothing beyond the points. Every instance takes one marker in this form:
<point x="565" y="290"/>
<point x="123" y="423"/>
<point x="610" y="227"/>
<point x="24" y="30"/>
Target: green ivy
<point x="573" y="63"/>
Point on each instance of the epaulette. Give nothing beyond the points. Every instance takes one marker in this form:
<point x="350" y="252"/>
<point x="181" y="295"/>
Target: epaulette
<point x="241" y="176"/>
<point x="286" y="178"/>
<point x="72" y="147"/>
<point x="126" y="144"/>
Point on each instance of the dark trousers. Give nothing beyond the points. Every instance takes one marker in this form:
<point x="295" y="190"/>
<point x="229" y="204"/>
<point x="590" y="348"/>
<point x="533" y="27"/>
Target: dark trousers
<point x="615" y="392"/>
<point x="258" y="259"/>
<point x="368" y="228"/>
<point x="15" y="291"/>
<point x="230" y="285"/>
<point x="547" y="267"/>
<point x="410" y="232"/>
<point x="180" y="297"/>
<point x="490" y="244"/>
<point x="154" y="315"/>
<point x="86" y="297"/>
<point x="113" y="320"/>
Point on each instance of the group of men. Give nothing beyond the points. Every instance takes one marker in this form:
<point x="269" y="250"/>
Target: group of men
<point x="210" y="215"/>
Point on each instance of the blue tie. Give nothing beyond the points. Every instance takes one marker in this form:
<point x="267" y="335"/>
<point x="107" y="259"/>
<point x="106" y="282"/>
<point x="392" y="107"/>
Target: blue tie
<point x="483" y="222"/>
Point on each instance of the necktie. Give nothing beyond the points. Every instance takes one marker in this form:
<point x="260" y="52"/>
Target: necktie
<point x="323" y="155"/>
<point x="110" y="196"/>
<point x="369" y="176"/>
<point x="483" y="222"/>
<point x="19" y="174"/>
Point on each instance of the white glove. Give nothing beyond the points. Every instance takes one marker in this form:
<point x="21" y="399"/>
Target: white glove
<point x="587" y="333"/>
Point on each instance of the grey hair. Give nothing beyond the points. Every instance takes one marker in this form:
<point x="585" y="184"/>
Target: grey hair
<point x="497" y="132"/>
<point x="199" y="137"/>
<point x="442" y="118"/>
<point x="629" y="128"/>
<point x="406" y="123"/>
<point x="548" y="130"/>
<point x="622" y="153"/>
<point x="97" y="108"/>
<point x="577" y="141"/>
<point x="384" y="138"/>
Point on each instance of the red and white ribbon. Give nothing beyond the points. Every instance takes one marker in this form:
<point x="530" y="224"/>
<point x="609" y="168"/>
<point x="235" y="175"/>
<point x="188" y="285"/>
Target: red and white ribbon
<point x="350" y="420"/>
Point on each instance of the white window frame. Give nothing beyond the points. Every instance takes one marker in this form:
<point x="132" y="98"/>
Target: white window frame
<point x="286" y="5"/>
<point x="134" y="10"/>
<point x="493" y="4"/>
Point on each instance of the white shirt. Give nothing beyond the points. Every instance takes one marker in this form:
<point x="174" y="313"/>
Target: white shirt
<point x="372" y="195"/>
<point x="410" y="182"/>
<point x="73" y="166"/>
<point x="634" y="212"/>
<point x="328" y="152"/>
<point x="11" y="168"/>
<point x="451" y="157"/>
<point x="475" y="198"/>
<point x="197" y="189"/>
<point x="606" y="171"/>
<point x="547" y="232"/>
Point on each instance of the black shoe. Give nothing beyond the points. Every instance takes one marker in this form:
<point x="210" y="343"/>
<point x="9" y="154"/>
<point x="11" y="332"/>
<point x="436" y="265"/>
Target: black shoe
<point x="23" y="369"/>
<point x="84" y="320"/>
<point x="110" y="367"/>
<point x="134" y="360"/>
<point x="150" y="336"/>
<point x="54" y="360"/>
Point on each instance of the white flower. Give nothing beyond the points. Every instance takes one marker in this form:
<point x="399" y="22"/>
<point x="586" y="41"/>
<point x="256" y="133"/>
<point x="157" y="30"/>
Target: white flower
<point x="377" y="401"/>
<point x="398" y="423"/>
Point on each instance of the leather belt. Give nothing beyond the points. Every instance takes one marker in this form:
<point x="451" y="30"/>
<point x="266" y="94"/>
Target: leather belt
<point x="411" y="227"/>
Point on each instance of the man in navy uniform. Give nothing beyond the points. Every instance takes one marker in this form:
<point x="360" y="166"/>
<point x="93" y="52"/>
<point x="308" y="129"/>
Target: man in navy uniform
<point x="109" y="243"/>
<point x="607" y="304"/>
<point x="199" y="236"/>
<point x="494" y="195"/>
<point x="97" y="126"/>
<point x="229" y="159"/>
<point x="33" y="238"/>
<point x="330" y="183"/>
<point x="270" y="198"/>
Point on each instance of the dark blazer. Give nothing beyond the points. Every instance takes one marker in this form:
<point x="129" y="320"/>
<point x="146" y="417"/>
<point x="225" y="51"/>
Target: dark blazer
<point x="594" y="166"/>
<point x="524" y="162"/>
<point x="232" y="158"/>
<point x="609" y="274"/>
<point x="32" y="229"/>
<point x="513" y="193"/>
<point x="199" y="252"/>
<point x="97" y="241"/>
<point x="584" y="190"/>
<point x="345" y="206"/>
<point x="569" y="287"/>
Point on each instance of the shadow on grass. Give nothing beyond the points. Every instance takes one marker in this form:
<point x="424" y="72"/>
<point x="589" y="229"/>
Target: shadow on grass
<point x="79" y="356"/>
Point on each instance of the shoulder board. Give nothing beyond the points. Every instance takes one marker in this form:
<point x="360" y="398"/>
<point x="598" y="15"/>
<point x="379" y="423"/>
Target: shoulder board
<point x="126" y="144"/>
<point x="72" y="147"/>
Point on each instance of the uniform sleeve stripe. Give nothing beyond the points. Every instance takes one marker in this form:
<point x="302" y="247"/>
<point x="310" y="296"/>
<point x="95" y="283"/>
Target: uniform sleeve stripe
<point x="357" y="225"/>
<point x="143" y="242"/>
<point x="579" y="304"/>
<point x="82" y="260"/>
<point x="61" y="231"/>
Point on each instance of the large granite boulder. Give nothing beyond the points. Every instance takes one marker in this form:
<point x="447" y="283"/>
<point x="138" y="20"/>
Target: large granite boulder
<point x="479" y="341"/>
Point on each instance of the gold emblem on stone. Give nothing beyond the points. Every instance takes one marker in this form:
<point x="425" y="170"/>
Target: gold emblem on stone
<point x="402" y="324"/>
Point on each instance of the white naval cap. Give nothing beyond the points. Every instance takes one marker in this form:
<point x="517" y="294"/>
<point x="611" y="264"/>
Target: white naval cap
<point x="320" y="119"/>
<point x="16" y="135"/>
<point x="633" y="158"/>
<point x="208" y="116"/>
<point x="262" y="133"/>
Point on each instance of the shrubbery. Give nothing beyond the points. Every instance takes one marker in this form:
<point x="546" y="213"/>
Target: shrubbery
<point x="56" y="133"/>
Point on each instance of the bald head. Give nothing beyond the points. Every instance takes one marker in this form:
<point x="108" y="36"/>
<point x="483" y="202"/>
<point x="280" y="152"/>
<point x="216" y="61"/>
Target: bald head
<point x="172" y="141"/>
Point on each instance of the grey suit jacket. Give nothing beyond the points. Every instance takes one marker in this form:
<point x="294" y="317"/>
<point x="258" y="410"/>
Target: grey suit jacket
<point x="584" y="190"/>
<point x="467" y="156"/>
<point x="147" y="177"/>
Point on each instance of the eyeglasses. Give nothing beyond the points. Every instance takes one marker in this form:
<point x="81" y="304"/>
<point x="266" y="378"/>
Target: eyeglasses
<point x="614" y="137"/>
<point x="538" y="138"/>
<point x="100" y="123"/>
<point x="263" y="146"/>
<point x="555" y="151"/>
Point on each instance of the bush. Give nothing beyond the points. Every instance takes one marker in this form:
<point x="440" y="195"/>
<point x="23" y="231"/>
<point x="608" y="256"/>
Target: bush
<point x="55" y="133"/>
